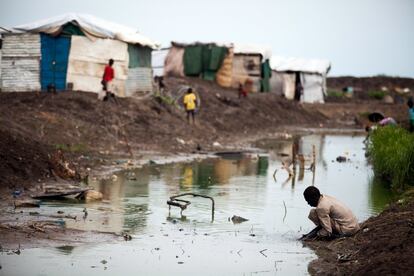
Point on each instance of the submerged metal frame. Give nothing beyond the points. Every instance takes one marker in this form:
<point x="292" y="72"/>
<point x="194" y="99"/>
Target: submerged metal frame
<point x="182" y="203"/>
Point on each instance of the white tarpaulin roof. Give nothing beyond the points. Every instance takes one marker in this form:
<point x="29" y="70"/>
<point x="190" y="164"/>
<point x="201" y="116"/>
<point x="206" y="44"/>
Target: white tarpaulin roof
<point x="195" y="43"/>
<point x="283" y="64"/>
<point x="265" y="51"/>
<point x="91" y="26"/>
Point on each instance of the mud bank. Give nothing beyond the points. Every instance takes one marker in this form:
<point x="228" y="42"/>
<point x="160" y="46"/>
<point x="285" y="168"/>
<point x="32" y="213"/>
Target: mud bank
<point x="383" y="246"/>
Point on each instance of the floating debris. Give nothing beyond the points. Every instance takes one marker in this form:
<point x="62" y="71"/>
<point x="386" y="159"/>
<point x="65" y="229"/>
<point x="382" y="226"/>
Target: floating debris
<point x="237" y="219"/>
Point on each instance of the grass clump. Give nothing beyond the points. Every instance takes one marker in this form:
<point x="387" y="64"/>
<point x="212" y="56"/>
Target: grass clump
<point x="378" y="95"/>
<point x="335" y="94"/>
<point x="391" y="150"/>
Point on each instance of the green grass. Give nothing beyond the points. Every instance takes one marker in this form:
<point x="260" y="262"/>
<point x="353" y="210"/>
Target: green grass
<point x="391" y="150"/>
<point x="164" y="99"/>
<point x="378" y="95"/>
<point x="335" y="94"/>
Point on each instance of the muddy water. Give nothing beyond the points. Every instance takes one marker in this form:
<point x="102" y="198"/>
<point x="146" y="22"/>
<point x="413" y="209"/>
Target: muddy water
<point x="168" y="243"/>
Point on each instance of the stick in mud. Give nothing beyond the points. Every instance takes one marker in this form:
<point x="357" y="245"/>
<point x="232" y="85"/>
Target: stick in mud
<point x="314" y="164"/>
<point x="261" y="252"/>
<point x="284" y="204"/>
<point x="274" y="175"/>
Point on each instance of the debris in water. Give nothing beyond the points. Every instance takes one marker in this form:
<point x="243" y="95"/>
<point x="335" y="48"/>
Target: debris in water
<point x="127" y="237"/>
<point x="237" y="219"/>
<point x="175" y="201"/>
<point x="341" y="159"/>
<point x="104" y="262"/>
<point x="85" y="215"/>
<point x="261" y="252"/>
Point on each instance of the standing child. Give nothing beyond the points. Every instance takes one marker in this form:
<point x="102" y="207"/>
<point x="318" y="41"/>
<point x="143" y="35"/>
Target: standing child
<point x="190" y="104"/>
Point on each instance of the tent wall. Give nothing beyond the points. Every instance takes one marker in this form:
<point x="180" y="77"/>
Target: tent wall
<point x="289" y="85"/>
<point x="139" y="72"/>
<point x="277" y="83"/>
<point x="313" y="88"/>
<point x="224" y="74"/>
<point x="139" y="80"/>
<point x="158" y="61"/>
<point x="86" y="68"/>
<point x="203" y="60"/>
<point x="246" y="67"/>
<point x="174" y="62"/>
<point x="20" y="64"/>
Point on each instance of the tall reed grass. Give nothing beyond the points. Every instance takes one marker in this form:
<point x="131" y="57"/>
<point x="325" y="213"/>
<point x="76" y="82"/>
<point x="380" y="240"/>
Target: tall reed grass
<point x="391" y="150"/>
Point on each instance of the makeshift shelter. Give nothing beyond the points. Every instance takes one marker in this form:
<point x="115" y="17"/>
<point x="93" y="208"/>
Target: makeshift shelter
<point x="195" y="59"/>
<point x="71" y="52"/>
<point x="300" y="79"/>
<point x="228" y="64"/>
<point x="251" y="64"/>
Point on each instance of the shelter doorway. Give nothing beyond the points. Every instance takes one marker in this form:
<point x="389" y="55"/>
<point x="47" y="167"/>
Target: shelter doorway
<point x="54" y="63"/>
<point x="298" y="87"/>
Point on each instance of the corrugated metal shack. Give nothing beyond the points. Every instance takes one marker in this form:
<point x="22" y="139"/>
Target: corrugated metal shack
<point x="20" y="63"/>
<point x="70" y="52"/>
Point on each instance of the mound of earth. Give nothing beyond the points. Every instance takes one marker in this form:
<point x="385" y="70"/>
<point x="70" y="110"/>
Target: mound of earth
<point x="383" y="246"/>
<point x="34" y="125"/>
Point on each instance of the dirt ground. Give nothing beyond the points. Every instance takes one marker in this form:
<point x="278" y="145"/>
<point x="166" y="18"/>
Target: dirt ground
<point x="383" y="246"/>
<point x="91" y="133"/>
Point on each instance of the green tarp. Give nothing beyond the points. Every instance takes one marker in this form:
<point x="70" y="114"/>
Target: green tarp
<point x="139" y="56"/>
<point x="71" y="29"/>
<point x="266" y="74"/>
<point x="204" y="60"/>
<point x="193" y="60"/>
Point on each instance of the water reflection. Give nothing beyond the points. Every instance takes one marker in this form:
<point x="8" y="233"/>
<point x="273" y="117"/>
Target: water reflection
<point x="243" y="185"/>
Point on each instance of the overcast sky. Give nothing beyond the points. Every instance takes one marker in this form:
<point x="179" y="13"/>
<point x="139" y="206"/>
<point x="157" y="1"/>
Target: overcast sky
<point x="359" y="37"/>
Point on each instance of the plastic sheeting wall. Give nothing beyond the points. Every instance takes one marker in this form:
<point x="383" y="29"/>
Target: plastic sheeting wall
<point x="224" y="74"/>
<point x="246" y="67"/>
<point x="139" y="80"/>
<point x="277" y="83"/>
<point x="20" y="63"/>
<point x="289" y="85"/>
<point x="174" y="62"/>
<point x="313" y="88"/>
<point x="158" y="61"/>
<point x="87" y="60"/>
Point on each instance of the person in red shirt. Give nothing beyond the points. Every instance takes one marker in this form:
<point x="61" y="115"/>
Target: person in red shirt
<point x="107" y="80"/>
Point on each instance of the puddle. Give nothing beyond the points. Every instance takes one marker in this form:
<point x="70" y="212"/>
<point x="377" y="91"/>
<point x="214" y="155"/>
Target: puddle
<point x="166" y="243"/>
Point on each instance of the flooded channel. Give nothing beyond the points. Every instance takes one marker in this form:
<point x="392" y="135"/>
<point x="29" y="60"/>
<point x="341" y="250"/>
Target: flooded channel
<point x="164" y="242"/>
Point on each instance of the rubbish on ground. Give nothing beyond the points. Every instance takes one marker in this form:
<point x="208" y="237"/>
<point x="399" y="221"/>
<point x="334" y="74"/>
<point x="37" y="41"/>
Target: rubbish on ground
<point x="90" y="195"/>
<point x="29" y="203"/>
<point x="181" y="141"/>
<point x="60" y="191"/>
